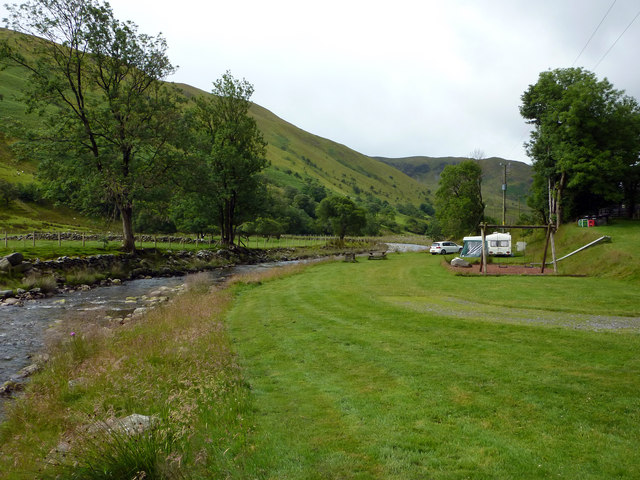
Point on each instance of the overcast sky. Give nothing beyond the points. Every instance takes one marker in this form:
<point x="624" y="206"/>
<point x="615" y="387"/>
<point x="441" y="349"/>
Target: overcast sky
<point x="397" y="78"/>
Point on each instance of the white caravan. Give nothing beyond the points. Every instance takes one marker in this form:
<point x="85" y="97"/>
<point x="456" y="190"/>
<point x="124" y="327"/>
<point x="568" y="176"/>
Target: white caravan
<point x="498" y="244"/>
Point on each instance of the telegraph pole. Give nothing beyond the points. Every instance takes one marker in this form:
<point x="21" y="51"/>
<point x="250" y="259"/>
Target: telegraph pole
<point x="504" y="194"/>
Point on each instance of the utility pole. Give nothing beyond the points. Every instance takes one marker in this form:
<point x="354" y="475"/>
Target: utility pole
<point x="504" y="194"/>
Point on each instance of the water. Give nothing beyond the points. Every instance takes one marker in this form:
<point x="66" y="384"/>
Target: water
<point x="22" y="329"/>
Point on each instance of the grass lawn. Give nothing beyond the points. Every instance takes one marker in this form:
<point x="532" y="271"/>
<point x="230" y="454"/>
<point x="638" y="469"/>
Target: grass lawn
<point x="400" y="369"/>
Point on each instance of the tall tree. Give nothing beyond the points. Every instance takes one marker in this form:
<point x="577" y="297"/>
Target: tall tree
<point x="458" y="200"/>
<point x="230" y="153"/>
<point x="341" y="215"/>
<point x="96" y="82"/>
<point x="585" y="140"/>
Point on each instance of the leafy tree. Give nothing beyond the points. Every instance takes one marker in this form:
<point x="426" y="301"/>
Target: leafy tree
<point x="585" y="142"/>
<point x="306" y="203"/>
<point x="8" y="192"/>
<point x="229" y="152"/>
<point x="458" y="201"/>
<point x="341" y="215"/>
<point x="108" y="118"/>
<point x="268" y="227"/>
<point x="313" y="189"/>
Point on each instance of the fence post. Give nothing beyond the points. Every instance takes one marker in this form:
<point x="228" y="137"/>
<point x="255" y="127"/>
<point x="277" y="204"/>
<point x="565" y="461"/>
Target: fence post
<point x="59" y="239"/>
<point x="6" y="239"/>
<point x="83" y="240"/>
<point x="34" y="239"/>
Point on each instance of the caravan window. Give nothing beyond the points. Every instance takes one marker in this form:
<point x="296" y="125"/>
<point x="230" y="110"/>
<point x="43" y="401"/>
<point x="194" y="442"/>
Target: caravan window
<point x="499" y="243"/>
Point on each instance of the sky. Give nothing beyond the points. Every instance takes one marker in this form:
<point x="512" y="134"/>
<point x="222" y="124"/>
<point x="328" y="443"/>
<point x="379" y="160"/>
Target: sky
<point x="401" y="78"/>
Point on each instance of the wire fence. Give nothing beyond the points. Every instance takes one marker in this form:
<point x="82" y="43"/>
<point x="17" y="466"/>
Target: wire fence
<point x="37" y="240"/>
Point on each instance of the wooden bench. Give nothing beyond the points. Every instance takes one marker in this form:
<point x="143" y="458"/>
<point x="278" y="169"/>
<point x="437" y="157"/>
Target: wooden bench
<point x="350" y="257"/>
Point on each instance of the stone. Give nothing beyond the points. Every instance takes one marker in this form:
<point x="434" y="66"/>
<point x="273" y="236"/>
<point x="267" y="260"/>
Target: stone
<point x="6" y="294"/>
<point x="134" y="424"/>
<point x="116" y="281"/>
<point x="12" y="301"/>
<point x="15" y="258"/>
<point x="459" y="262"/>
<point x="23" y="267"/>
<point x="29" y="370"/>
<point x="77" y="382"/>
<point x="9" y="388"/>
<point x="5" y="265"/>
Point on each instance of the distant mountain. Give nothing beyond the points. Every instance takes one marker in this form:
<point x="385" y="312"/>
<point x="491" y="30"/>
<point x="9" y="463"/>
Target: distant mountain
<point x="427" y="171"/>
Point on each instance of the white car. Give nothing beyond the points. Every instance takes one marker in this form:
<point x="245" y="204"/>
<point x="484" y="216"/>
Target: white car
<point x="443" y="248"/>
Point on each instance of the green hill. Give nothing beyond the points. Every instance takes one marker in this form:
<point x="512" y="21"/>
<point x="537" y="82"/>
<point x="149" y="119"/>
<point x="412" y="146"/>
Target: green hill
<point x="294" y="154"/>
<point x="427" y="171"/>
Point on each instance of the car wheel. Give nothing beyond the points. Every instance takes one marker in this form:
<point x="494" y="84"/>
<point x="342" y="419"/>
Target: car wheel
<point x="460" y="250"/>
<point x="443" y="252"/>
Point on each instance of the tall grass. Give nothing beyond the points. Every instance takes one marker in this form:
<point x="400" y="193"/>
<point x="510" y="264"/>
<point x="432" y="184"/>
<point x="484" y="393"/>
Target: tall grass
<point x="175" y="364"/>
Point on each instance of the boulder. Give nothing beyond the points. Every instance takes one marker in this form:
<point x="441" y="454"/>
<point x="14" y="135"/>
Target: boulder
<point x="459" y="262"/>
<point x="15" y="258"/>
<point x="29" y="370"/>
<point x="6" y="294"/>
<point x="5" y="265"/>
<point x="12" y="301"/>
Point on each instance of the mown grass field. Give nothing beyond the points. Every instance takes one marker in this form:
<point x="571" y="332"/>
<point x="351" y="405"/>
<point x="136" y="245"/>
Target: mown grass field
<point x="400" y="369"/>
<point x="393" y="369"/>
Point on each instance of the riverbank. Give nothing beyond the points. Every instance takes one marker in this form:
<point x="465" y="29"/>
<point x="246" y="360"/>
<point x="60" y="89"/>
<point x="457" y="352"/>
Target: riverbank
<point x="23" y="279"/>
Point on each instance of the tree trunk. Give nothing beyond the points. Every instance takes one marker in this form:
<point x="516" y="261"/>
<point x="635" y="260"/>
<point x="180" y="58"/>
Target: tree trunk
<point x="128" y="240"/>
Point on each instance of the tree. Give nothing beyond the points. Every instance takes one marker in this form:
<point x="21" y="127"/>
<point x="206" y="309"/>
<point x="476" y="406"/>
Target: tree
<point x="458" y="200"/>
<point x="96" y="82"/>
<point x="341" y="215"/>
<point x="585" y="142"/>
<point x="230" y="151"/>
<point x="8" y="192"/>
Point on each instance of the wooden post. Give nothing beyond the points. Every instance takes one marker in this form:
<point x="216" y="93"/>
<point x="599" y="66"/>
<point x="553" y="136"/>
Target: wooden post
<point x="83" y="239"/>
<point x="6" y="239"/>
<point x="155" y="241"/>
<point x="59" y="239"/>
<point x="483" y="234"/>
<point x="546" y="246"/>
<point x="34" y="239"/>
<point x="553" y="253"/>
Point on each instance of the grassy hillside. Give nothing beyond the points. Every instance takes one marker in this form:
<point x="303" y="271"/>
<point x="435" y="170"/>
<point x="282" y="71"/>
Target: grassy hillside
<point x="427" y="171"/>
<point x="295" y="155"/>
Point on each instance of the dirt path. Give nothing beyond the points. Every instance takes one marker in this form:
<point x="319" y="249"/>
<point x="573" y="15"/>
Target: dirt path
<point x="459" y="308"/>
